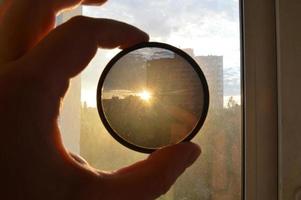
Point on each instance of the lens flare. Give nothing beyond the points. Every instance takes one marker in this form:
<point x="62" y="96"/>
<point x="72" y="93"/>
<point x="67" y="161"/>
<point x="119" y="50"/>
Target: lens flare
<point x="145" y="95"/>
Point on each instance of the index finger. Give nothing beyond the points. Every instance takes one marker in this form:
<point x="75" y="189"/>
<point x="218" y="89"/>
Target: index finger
<point x="68" y="49"/>
<point x="25" y="22"/>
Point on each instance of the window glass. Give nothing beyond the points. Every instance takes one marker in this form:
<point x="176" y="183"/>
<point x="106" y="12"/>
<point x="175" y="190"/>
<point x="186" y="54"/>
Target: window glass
<point x="208" y="31"/>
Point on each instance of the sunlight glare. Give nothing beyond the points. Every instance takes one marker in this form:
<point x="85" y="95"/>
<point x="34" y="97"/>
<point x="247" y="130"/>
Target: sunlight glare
<point x="145" y="95"/>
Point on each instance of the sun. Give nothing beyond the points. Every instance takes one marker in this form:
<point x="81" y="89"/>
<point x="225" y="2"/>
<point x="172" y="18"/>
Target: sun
<point x="145" y="95"/>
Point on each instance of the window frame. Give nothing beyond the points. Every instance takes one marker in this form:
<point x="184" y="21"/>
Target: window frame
<point x="260" y="106"/>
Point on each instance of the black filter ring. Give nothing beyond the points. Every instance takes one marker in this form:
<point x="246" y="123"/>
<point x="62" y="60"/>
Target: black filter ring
<point x="151" y="45"/>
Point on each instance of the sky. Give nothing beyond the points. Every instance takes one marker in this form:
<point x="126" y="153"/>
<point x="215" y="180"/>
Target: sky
<point x="210" y="27"/>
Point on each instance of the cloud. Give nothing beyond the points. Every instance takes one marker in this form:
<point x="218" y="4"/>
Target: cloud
<point x="164" y="17"/>
<point x="210" y="27"/>
<point x="150" y="16"/>
<point x="232" y="81"/>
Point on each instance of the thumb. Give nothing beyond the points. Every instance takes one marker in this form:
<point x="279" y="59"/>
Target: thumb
<point x="150" y="178"/>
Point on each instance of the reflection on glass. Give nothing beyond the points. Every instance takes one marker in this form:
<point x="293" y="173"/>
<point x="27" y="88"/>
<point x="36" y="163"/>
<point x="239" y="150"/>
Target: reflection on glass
<point x="209" y="32"/>
<point x="152" y="97"/>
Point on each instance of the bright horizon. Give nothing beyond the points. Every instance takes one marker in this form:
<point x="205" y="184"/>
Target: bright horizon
<point x="92" y="102"/>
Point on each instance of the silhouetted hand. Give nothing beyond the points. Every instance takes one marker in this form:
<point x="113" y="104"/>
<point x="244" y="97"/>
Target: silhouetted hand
<point x="36" y="64"/>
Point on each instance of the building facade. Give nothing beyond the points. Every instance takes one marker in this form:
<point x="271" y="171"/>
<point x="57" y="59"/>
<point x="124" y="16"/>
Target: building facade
<point x="212" y="66"/>
<point x="175" y="82"/>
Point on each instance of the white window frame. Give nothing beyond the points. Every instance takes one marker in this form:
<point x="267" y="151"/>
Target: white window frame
<point x="259" y="80"/>
<point x="289" y="97"/>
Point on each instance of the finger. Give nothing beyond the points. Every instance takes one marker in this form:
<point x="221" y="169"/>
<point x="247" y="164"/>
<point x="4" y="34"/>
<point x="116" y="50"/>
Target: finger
<point x="154" y="176"/>
<point x="63" y="4"/>
<point x="68" y="49"/>
<point x="3" y="7"/>
<point x="94" y="2"/>
<point x="78" y="159"/>
<point x="26" y="22"/>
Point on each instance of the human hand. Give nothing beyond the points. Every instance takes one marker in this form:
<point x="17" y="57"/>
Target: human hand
<point x="36" y="64"/>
